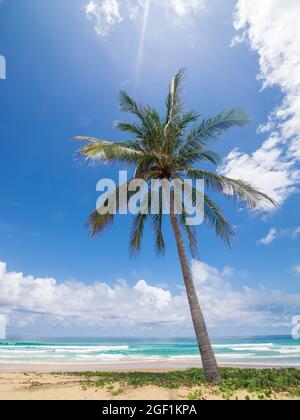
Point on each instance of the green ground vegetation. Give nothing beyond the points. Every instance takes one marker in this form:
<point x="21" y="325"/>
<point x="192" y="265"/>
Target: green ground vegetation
<point x="264" y="384"/>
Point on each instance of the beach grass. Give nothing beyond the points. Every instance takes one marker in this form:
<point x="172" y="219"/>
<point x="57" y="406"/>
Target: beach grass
<point x="259" y="383"/>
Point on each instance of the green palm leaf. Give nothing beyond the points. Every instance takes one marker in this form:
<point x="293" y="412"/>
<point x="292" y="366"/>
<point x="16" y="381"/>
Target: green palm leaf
<point x="137" y="232"/>
<point x="239" y="191"/>
<point x="212" y="128"/>
<point x="104" y="215"/>
<point x="191" y="233"/>
<point x="97" y="149"/>
<point x="162" y="148"/>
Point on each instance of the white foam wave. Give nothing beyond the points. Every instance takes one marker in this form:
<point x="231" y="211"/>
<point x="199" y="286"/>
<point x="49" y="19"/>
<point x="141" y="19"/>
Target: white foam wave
<point x="242" y="346"/>
<point x="253" y="348"/>
<point x="234" y="356"/>
<point x="66" y="349"/>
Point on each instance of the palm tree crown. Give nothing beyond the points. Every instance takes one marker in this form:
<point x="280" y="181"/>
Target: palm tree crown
<point x="165" y="148"/>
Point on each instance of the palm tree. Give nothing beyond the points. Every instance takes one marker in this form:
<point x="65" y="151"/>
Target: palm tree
<point x="162" y="148"/>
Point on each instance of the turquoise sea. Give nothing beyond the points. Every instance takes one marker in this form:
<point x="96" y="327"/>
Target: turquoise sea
<point x="273" y="350"/>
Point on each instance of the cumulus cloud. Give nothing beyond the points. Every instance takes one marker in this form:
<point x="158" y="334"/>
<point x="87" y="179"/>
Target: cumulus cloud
<point x="258" y="308"/>
<point x="271" y="28"/>
<point x="275" y="233"/>
<point x="270" y="238"/>
<point x="107" y="13"/>
<point x="180" y="9"/>
<point x="26" y="300"/>
<point x="296" y="270"/>
<point x="296" y="232"/>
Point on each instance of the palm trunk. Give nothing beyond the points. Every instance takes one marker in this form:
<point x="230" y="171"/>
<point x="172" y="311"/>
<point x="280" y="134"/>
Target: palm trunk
<point x="207" y="355"/>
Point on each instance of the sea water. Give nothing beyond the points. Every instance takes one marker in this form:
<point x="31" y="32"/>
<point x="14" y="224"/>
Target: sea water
<point x="259" y="351"/>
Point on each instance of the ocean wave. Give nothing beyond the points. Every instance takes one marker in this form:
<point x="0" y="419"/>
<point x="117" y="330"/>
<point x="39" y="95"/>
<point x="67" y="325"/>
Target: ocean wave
<point x="242" y="346"/>
<point x="253" y="348"/>
<point x="65" y="348"/>
<point x="280" y="352"/>
<point x="235" y="356"/>
<point x="289" y="350"/>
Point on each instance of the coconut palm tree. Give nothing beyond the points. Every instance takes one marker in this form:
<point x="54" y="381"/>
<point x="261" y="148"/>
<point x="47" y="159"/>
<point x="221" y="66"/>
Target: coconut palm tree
<point x="164" y="148"/>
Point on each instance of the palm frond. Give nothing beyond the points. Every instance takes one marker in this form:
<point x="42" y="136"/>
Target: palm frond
<point x="174" y="100"/>
<point x="86" y="138"/>
<point x="239" y="191"/>
<point x="210" y="129"/>
<point x="213" y="216"/>
<point x="137" y="232"/>
<point x="197" y="154"/>
<point x="98" y="149"/>
<point x="132" y="128"/>
<point x="160" y="245"/>
<point x="99" y="222"/>
<point x="128" y="104"/>
<point x="187" y="118"/>
<point x="163" y="148"/>
<point x="209" y="156"/>
<point x="104" y="215"/>
<point x="174" y="112"/>
<point x="215" y="219"/>
<point x="138" y="225"/>
<point x="146" y="168"/>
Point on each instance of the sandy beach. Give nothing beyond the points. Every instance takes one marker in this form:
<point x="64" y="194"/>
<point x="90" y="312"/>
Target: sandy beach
<point x="45" y="386"/>
<point x="37" y="386"/>
<point x="57" y="382"/>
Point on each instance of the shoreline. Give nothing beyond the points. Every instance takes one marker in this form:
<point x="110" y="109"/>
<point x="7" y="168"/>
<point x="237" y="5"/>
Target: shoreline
<point x="124" y="367"/>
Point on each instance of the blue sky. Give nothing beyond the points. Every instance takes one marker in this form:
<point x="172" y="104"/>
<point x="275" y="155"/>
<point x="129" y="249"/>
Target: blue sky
<point x="66" y="61"/>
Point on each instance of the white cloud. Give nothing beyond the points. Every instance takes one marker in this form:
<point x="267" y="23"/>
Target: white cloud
<point x="26" y="300"/>
<point x="271" y="236"/>
<point x="268" y="168"/>
<point x="296" y="270"/>
<point x="259" y="308"/>
<point x="107" y="13"/>
<point x="274" y="234"/>
<point x="296" y="233"/>
<point x="182" y="8"/>
<point x="271" y="27"/>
